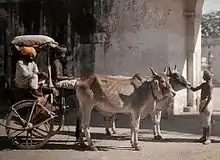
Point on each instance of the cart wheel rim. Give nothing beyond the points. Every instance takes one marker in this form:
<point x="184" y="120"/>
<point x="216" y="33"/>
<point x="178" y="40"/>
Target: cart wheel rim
<point x="29" y="138"/>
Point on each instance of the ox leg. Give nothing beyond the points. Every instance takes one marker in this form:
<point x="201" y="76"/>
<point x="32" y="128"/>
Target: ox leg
<point x="79" y="133"/>
<point x="85" y="109"/>
<point x="135" y="123"/>
<point x="156" y="117"/>
<point x="113" y="124"/>
<point x="158" y="124"/>
<point x="110" y="123"/>
<point x="107" y="120"/>
<point x="86" y="115"/>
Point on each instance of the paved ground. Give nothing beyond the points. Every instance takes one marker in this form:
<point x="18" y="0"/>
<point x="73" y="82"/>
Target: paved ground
<point x="180" y="133"/>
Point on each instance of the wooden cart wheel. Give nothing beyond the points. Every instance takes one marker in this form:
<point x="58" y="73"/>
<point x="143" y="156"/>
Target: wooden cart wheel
<point x="30" y="138"/>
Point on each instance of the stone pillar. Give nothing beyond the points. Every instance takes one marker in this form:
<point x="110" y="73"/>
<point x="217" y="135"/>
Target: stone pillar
<point x="190" y="54"/>
<point x="193" y="50"/>
<point x="197" y="27"/>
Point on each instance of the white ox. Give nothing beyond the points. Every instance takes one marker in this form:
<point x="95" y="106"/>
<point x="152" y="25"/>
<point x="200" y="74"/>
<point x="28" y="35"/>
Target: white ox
<point x="178" y="82"/>
<point x="117" y="95"/>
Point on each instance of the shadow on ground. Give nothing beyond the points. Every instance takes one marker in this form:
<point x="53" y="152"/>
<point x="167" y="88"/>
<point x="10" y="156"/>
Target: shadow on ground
<point x="181" y="123"/>
<point x="56" y="144"/>
<point x="185" y="124"/>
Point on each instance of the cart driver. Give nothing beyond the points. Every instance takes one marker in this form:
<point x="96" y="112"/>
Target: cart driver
<point x="59" y="62"/>
<point x="26" y="75"/>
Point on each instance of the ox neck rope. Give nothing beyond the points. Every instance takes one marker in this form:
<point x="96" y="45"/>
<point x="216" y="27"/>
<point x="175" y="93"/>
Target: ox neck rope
<point x="149" y="80"/>
<point x="155" y="97"/>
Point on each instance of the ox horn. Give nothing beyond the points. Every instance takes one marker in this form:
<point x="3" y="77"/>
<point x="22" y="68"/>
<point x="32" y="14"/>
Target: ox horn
<point x="153" y="72"/>
<point x="175" y="68"/>
<point x="169" y="70"/>
<point x="165" y="70"/>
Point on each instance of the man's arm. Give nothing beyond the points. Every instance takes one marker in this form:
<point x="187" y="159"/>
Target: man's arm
<point x="196" y="88"/>
<point x="59" y="73"/>
<point x="22" y="69"/>
<point x="40" y="74"/>
<point x="61" y="78"/>
<point x="35" y="68"/>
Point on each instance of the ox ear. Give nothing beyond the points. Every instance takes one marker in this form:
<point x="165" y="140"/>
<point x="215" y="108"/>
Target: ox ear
<point x="156" y="89"/>
<point x="153" y="72"/>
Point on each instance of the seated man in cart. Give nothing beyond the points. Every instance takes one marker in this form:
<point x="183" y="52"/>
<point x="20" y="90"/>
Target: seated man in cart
<point x="59" y="62"/>
<point x="26" y="74"/>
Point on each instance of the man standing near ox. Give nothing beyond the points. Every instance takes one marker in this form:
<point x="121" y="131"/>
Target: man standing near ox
<point x="205" y="107"/>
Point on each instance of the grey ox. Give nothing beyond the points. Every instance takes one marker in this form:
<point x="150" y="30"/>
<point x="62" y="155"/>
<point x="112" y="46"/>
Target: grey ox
<point x="111" y="94"/>
<point x="178" y="82"/>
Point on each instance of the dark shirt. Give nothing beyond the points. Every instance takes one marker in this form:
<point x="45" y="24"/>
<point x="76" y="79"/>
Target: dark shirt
<point x="57" y="71"/>
<point x="206" y="90"/>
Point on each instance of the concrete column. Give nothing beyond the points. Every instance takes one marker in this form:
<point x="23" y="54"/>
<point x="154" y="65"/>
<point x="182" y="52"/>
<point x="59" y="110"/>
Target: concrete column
<point x="193" y="51"/>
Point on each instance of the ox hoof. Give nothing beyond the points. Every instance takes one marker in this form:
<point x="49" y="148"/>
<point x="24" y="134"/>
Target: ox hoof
<point x="158" y="137"/>
<point x="114" y="132"/>
<point x="93" y="148"/>
<point x="137" y="148"/>
<point x="82" y="145"/>
<point x="108" y="133"/>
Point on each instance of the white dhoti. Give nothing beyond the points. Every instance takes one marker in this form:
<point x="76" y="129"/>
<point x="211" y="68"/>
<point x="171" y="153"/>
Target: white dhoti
<point x="26" y="75"/>
<point x="67" y="84"/>
<point x="206" y="114"/>
<point x="28" y="82"/>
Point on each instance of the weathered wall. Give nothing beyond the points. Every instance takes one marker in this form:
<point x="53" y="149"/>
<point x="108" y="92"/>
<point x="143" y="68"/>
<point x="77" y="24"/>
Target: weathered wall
<point x="143" y="34"/>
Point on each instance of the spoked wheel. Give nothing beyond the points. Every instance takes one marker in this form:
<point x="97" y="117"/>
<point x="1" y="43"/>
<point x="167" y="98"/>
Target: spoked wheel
<point x="32" y="135"/>
<point x="59" y="121"/>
